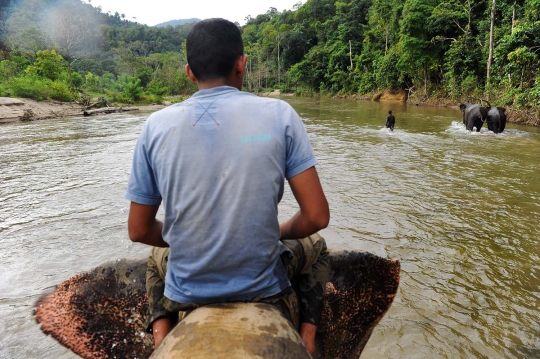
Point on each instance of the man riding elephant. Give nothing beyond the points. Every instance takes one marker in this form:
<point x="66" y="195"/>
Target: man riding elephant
<point x="218" y="162"/>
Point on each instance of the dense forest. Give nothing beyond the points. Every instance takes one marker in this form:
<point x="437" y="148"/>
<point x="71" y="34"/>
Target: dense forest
<point x="430" y="49"/>
<point x="68" y="49"/>
<point x="455" y="49"/>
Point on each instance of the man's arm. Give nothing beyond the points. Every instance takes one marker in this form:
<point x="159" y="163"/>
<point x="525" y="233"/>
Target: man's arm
<point x="143" y="227"/>
<point x="314" y="213"/>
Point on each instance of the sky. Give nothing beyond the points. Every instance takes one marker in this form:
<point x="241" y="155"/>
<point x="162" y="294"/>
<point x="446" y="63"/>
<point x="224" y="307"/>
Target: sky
<point x="157" y="11"/>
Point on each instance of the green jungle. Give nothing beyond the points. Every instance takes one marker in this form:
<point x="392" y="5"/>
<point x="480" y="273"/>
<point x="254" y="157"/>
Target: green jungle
<point x="434" y="52"/>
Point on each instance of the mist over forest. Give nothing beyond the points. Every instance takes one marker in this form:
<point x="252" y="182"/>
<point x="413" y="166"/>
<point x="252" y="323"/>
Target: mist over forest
<point x="428" y="49"/>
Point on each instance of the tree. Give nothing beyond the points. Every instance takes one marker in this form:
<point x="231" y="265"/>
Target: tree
<point x="74" y="31"/>
<point x="47" y="64"/>
<point x="491" y="28"/>
<point x="416" y="48"/>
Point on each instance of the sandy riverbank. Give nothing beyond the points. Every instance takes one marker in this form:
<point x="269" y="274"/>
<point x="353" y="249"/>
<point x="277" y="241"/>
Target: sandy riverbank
<point x="13" y="109"/>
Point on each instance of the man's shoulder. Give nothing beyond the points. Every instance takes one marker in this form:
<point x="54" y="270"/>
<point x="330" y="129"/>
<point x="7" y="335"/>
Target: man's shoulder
<point x="170" y="111"/>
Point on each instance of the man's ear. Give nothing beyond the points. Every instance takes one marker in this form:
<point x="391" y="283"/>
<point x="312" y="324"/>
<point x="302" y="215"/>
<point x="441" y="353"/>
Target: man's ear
<point x="241" y="65"/>
<point x="190" y="74"/>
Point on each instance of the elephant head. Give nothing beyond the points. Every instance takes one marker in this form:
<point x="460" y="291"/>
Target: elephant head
<point x="496" y="119"/>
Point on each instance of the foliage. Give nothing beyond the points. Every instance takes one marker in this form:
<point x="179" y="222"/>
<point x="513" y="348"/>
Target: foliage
<point x="47" y="64"/>
<point x="127" y="89"/>
<point x="35" y="87"/>
<point x="429" y="47"/>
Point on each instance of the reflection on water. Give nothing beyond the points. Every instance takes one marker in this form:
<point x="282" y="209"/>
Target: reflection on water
<point x="461" y="210"/>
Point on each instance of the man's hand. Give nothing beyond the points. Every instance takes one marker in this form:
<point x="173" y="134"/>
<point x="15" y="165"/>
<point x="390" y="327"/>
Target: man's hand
<point x="143" y="227"/>
<point x="314" y="213"/>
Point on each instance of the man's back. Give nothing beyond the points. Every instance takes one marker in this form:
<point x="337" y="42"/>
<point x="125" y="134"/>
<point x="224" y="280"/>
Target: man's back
<point x="219" y="161"/>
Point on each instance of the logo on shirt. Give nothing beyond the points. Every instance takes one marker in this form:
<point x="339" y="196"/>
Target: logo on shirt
<point x="206" y="115"/>
<point x="255" y="138"/>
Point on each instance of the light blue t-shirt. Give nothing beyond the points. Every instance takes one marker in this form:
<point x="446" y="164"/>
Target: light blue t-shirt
<point x="218" y="162"/>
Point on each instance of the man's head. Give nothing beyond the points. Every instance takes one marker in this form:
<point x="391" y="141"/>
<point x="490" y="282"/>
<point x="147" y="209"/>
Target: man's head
<point x="390" y="112"/>
<point x="214" y="50"/>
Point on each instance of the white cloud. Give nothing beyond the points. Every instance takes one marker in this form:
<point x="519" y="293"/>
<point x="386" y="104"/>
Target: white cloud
<point x="158" y="11"/>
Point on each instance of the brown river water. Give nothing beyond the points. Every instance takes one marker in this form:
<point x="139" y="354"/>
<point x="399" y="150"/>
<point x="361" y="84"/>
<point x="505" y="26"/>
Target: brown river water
<point x="460" y="210"/>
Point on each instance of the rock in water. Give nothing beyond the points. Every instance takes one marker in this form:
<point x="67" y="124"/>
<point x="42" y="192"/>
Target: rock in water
<point x="100" y="313"/>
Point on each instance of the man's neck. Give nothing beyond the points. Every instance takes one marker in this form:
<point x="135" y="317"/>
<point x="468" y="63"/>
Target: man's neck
<point x="208" y="84"/>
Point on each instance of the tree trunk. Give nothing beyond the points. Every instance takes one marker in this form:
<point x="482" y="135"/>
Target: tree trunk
<point x="350" y="54"/>
<point x="278" y="64"/>
<point x="70" y="78"/>
<point x="513" y="16"/>
<point x="425" y="77"/>
<point x="490" y="57"/>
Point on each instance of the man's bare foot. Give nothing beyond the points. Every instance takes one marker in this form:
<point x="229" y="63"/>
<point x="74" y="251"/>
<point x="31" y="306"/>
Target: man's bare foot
<point x="307" y="332"/>
<point x="160" y="328"/>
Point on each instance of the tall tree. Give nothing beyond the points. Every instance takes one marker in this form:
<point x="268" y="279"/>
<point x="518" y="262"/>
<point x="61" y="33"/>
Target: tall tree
<point x="491" y="29"/>
<point x="74" y="31"/>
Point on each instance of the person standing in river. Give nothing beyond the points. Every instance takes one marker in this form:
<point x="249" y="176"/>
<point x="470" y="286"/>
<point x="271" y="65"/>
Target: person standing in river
<point x="218" y="162"/>
<point x="390" y="121"/>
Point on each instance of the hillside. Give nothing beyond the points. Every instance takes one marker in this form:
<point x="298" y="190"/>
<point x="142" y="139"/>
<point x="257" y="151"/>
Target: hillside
<point x="174" y="23"/>
<point x="68" y="50"/>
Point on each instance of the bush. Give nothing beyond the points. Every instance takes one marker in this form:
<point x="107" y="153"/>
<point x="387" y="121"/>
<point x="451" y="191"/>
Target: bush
<point x="48" y="64"/>
<point x="37" y="88"/>
<point x="60" y="91"/>
<point x="152" y="98"/>
<point x="145" y="75"/>
<point x="131" y="87"/>
<point x="30" y="86"/>
<point x="156" y="87"/>
<point x="76" y="80"/>
<point x="106" y="81"/>
<point x="8" y="69"/>
<point x="91" y="82"/>
<point x="126" y="90"/>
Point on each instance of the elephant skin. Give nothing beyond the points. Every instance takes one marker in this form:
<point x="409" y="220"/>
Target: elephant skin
<point x="474" y="115"/>
<point x="233" y="330"/>
<point x="496" y="119"/>
<point x="101" y="313"/>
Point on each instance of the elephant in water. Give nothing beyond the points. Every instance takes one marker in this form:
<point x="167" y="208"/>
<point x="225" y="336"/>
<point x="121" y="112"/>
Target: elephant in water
<point x="100" y="314"/>
<point x="474" y="115"/>
<point x="496" y="119"/>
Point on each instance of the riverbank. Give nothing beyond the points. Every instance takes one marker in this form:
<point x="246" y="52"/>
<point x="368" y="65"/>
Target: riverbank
<point x="17" y="109"/>
<point x="522" y="116"/>
<point x="14" y="109"/>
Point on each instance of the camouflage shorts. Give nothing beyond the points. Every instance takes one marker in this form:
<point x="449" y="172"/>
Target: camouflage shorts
<point x="307" y="267"/>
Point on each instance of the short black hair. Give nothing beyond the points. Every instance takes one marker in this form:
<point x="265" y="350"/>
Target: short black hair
<point x="390" y="112"/>
<point x="213" y="46"/>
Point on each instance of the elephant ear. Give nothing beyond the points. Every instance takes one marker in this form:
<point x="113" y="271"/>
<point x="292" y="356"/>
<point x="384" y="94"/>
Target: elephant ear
<point x="501" y="109"/>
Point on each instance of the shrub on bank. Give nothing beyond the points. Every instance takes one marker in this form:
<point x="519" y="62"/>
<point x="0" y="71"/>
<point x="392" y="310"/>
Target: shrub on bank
<point x="36" y="88"/>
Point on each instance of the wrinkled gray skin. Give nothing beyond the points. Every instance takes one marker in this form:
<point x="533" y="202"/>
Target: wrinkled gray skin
<point x="100" y="313"/>
<point x="474" y="115"/>
<point x="496" y="119"/>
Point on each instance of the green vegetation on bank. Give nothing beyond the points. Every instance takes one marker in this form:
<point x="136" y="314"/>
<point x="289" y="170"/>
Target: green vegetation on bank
<point x="455" y="49"/>
<point x="67" y="50"/>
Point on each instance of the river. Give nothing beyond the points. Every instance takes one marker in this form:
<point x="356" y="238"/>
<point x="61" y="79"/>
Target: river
<point x="461" y="211"/>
